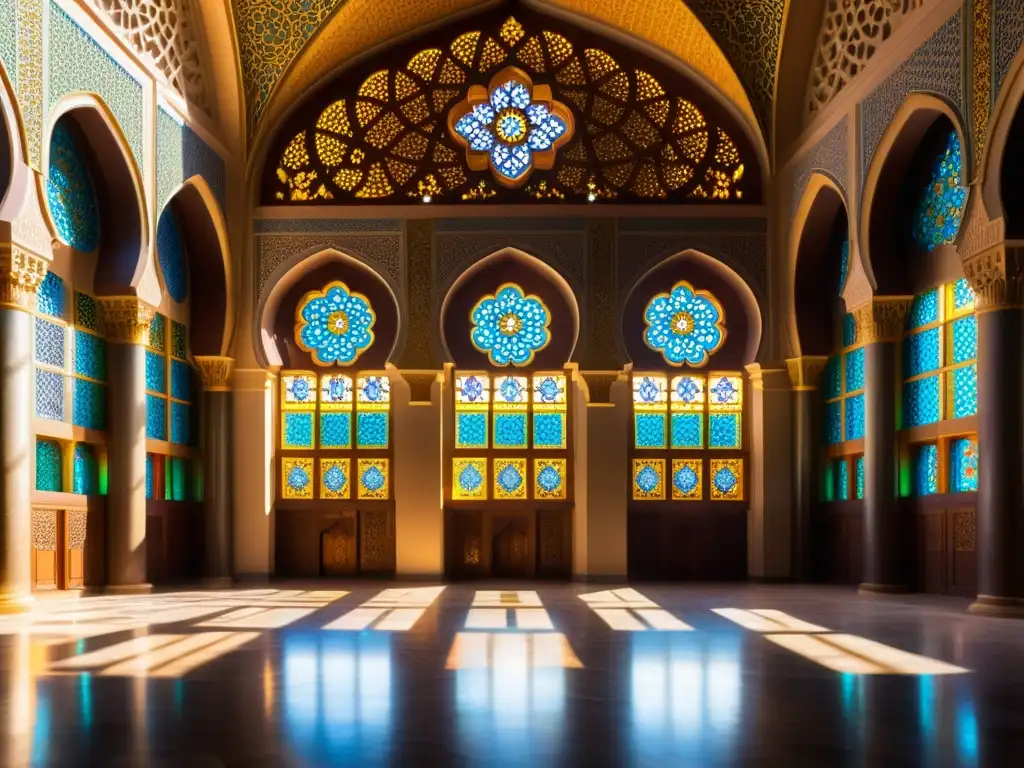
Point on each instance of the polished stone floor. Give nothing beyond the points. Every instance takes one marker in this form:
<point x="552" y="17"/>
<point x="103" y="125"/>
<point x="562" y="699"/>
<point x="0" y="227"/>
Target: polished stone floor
<point x="535" y="674"/>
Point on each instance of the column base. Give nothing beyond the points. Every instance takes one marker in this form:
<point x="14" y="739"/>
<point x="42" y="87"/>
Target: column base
<point x="129" y="589"/>
<point x="882" y="589"/>
<point x="16" y="603"/>
<point x="998" y="607"/>
<point x="218" y="582"/>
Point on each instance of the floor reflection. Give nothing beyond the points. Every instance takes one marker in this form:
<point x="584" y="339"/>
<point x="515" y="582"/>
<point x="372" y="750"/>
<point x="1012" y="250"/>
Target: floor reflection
<point x="685" y="697"/>
<point x="337" y="696"/>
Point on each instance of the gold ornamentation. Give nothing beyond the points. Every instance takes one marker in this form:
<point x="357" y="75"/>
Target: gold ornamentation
<point x="44" y="529"/>
<point x="882" y="319"/>
<point x="981" y="76"/>
<point x="30" y="76"/>
<point x="125" y="319"/>
<point x="997" y="277"/>
<point x="21" y="274"/>
<point x="804" y="371"/>
<point x="376" y="540"/>
<point x="78" y="528"/>
<point x="420" y="383"/>
<point x="215" y="372"/>
<point x="549" y="479"/>
<point x="599" y="384"/>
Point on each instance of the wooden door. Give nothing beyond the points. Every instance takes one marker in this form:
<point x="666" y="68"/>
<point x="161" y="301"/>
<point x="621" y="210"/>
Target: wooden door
<point x="338" y="554"/>
<point x="45" y="539"/>
<point x="75" y="525"/>
<point x="465" y="556"/>
<point x="931" y="552"/>
<point x="512" y="547"/>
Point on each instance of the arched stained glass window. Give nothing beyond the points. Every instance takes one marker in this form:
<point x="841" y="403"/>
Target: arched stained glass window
<point x="940" y="206"/>
<point x="685" y="325"/>
<point x="70" y="193"/>
<point x="49" y="466"/>
<point x="170" y="248"/>
<point x="510" y="326"/>
<point x="335" y="324"/>
<point x="428" y="126"/>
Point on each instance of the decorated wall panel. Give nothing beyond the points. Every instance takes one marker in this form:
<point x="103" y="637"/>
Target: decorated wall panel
<point x="182" y="154"/>
<point x="9" y="39"/>
<point x="1007" y="37"/>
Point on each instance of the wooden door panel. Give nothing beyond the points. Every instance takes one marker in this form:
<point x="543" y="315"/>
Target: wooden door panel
<point x="45" y="539"/>
<point x="338" y="555"/>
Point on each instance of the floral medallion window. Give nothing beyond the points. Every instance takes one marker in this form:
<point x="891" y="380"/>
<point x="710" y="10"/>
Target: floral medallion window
<point x="334" y="324"/>
<point x="511" y="437"/>
<point x="510" y="326"/>
<point x="685" y="325"/>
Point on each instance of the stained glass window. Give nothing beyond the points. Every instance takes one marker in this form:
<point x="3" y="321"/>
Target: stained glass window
<point x="842" y="480"/>
<point x="50" y="299"/>
<point x="374" y="478"/>
<point x="858" y="469"/>
<point x="298" y="408"/>
<point x="939" y="356"/>
<point x="509" y="478"/>
<point x="843" y="388"/>
<point x="335" y="324"/>
<point x="940" y="205"/>
<point x="844" y="263"/>
<point x="549" y="404"/>
<point x="170" y="249"/>
<point x="451" y="123"/>
<point x="685" y="325"/>
<point x="336" y="401"/>
<point x="926" y="470"/>
<point x="49" y="466"/>
<point x="86" y="470"/>
<point x="511" y="398"/>
<point x="170" y="384"/>
<point x="70" y="193"/>
<point x="963" y="471"/>
<point x="687" y="399"/>
<point x="686" y="479"/>
<point x="469" y="478"/>
<point x="650" y="411"/>
<point x="510" y="326"/>
<point x="726" y="479"/>
<point x="335" y="478"/>
<point x="373" y="407"/>
<point x="549" y="479"/>
<point x="648" y="479"/>
<point x="297" y="478"/>
<point x="89" y="390"/>
<point x="472" y="405"/>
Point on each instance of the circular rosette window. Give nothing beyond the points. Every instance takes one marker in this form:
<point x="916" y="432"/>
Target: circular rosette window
<point x="512" y="127"/>
<point x="510" y="326"/>
<point x="334" y="324"/>
<point x="684" y="325"/>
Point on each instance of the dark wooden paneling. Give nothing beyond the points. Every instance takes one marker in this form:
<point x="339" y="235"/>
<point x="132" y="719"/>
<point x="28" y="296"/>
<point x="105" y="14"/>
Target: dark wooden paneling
<point x="554" y="543"/>
<point x="945" y="543"/>
<point x="513" y="550"/>
<point x="839" y="542"/>
<point x="465" y="557"/>
<point x="931" y="552"/>
<point x="174" y="541"/>
<point x="338" y="547"/>
<point x="313" y="539"/>
<point x="688" y="542"/>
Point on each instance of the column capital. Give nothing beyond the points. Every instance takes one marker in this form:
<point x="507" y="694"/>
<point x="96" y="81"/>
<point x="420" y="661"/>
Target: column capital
<point x="882" y="319"/>
<point x="805" y="370"/>
<point x="770" y="379"/>
<point x="997" y="275"/>
<point x="21" y="274"/>
<point x="215" y="372"/>
<point x="420" y="384"/>
<point x="125" y="319"/>
<point x="598" y="384"/>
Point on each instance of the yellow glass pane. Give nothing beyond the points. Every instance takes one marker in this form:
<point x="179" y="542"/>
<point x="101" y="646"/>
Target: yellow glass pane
<point x="334" y="478"/>
<point x="469" y="478"/>
<point x="687" y="480"/>
<point x="648" y="479"/>
<point x="509" y="479"/>
<point x="297" y="478"/>
<point x="726" y="479"/>
<point x="549" y="479"/>
<point x="374" y="478"/>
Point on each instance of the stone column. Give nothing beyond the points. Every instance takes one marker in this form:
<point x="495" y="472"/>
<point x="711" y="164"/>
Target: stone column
<point x="254" y="472"/>
<point x="602" y="479"/>
<point x="125" y="321"/>
<point x="770" y="475"/>
<point x="803" y="374"/>
<point x="417" y="475"/>
<point x="880" y="323"/>
<point x="997" y="275"/>
<point x="21" y="273"/>
<point x="215" y="438"/>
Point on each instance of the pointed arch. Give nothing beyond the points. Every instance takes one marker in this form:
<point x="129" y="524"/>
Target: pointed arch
<point x="124" y="263"/>
<point x="208" y="256"/>
<point x="919" y="114"/>
<point x="14" y="171"/>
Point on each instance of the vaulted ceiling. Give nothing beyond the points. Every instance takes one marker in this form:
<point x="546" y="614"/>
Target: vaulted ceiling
<point x="287" y="46"/>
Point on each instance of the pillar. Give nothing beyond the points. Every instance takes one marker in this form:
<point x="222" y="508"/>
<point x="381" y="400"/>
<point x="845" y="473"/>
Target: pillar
<point x="215" y="439"/>
<point x="254" y="472"/>
<point x="804" y="373"/>
<point x="21" y="273"/>
<point x="997" y="275"/>
<point x="125" y="322"/>
<point x="770" y="475"/>
<point x="602" y="477"/>
<point x="417" y="474"/>
<point x="880" y="323"/>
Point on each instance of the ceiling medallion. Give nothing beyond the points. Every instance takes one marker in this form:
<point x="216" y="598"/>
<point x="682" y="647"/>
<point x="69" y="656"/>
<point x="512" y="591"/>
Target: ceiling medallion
<point x="512" y="126"/>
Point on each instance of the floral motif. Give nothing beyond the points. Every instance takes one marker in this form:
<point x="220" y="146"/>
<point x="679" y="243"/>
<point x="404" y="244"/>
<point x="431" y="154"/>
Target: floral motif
<point x="334" y="324"/>
<point x="512" y="126"/>
<point x="298" y="478"/>
<point x="472" y="389"/>
<point x="686" y="480"/>
<point x="648" y="390"/>
<point x="687" y="389"/>
<point x="511" y="390"/>
<point x="70" y="193"/>
<point x="549" y="390"/>
<point x="373" y="479"/>
<point x="725" y="480"/>
<point x="334" y="479"/>
<point x="510" y="326"/>
<point x="549" y="479"/>
<point x="685" y="325"/>
<point x="470" y="478"/>
<point x="647" y="480"/>
<point x="509" y="479"/>
<point x="941" y="205"/>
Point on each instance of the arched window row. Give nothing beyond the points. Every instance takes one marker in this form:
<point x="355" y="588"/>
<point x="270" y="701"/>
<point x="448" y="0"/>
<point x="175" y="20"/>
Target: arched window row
<point x="409" y="133"/>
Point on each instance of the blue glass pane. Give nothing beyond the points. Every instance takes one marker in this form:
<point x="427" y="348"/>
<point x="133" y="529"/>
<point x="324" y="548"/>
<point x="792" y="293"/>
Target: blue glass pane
<point x="922" y="352"/>
<point x="724" y="430"/>
<point x="963" y="294"/>
<point x="833" y="378"/>
<point x="842" y="477"/>
<point x="549" y="430"/>
<point x="471" y="430"/>
<point x="49" y="343"/>
<point x="156" y="372"/>
<point x="49" y="395"/>
<point x="298" y="430"/>
<point x="833" y="424"/>
<point x="687" y="430"/>
<point x="70" y="194"/>
<point x="50" y="298"/>
<point x="965" y="339"/>
<point x="926" y="470"/>
<point x="90" y="355"/>
<point x="86" y="470"/>
<point x="158" y="333"/>
<point x="49" y="472"/>
<point x="859" y="471"/>
<point x="965" y="391"/>
<point x="828" y="484"/>
<point x="849" y="330"/>
<point x="181" y="380"/>
<point x="87" y="314"/>
<point x="181" y="423"/>
<point x="963" y="476"/>
<point x="179" y="344"/>
<point x="170" y="249"/>
<point x="372" y="430"/>
<point x="854" y="370"/>
<point x="924" y="310"/>
<point x="156" y="418"/>
<point x="335" y="430"/>
<point x="844" y="262"/>
<point x="89" y="404"/>
<point x="854" y="428"/>
<point x="510" y="430"/>
<point x="650" y="430"/>
<point x="921" y="402"/>
<point x="941" y="202"/>
<point x="149" y="475"/>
